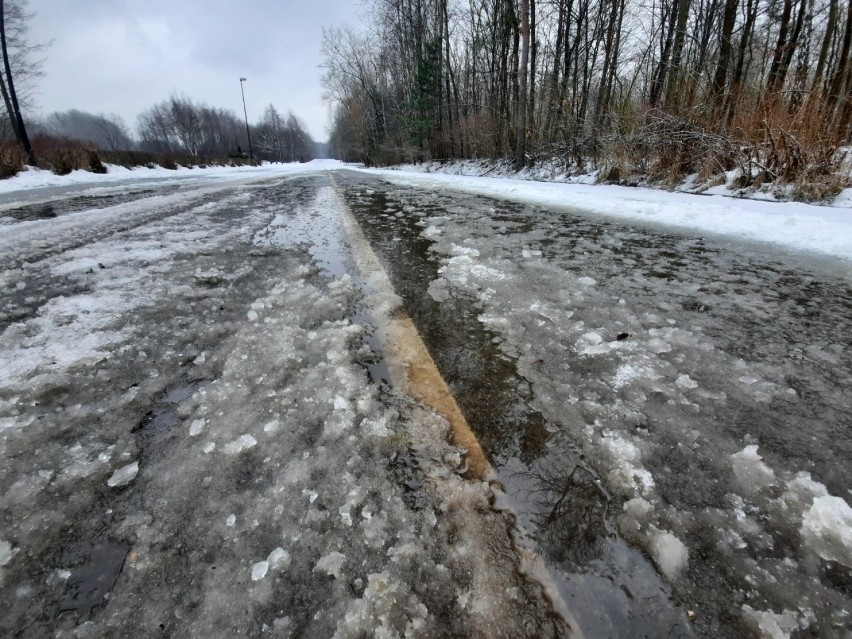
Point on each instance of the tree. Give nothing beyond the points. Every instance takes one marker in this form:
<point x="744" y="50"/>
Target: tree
<point x="180" y="125"/>
<point x="106" y="131"/>
<point x="12" y="100"/>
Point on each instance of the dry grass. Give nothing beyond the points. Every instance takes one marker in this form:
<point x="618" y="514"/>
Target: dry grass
<point x="62" y="156"/>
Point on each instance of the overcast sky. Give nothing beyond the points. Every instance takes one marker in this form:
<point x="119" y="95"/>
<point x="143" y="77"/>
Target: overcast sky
<point x="122" y="56"/>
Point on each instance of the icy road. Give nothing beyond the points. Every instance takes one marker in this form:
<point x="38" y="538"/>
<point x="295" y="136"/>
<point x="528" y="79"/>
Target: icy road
<point x="332" y="404"/>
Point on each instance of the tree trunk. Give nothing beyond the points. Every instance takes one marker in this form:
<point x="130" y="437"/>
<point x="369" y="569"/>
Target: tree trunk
<point x="837" y="93"/>
<point x="533" y="57"/>
<point x="739" y="69"/>
<point x="22" y="131"/>
<point x="772" y="84"/>
<point x="677" y="51"/>
<point x="659" y="80"/>
<point x="830" y="28"/>
<point x="521" y="121"/>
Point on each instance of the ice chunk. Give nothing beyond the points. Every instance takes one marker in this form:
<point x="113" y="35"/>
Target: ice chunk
<point x="231" y="520"/>
<point x="526" y="254"/>
<point x="123" y="475"/>
<point x="669" y="553"/>
<point x="587" y="281"/>
<point x="241" y="443"/>
<point x="800" y="493"/>
<point x="271" y="426"/>
<point x="252" y="315"/>
<point x="752" y="474"/>
<point x="209" y="447"/>
<point x="340" y="403"/>
<point x="5" y="552"/>
<point x="685" y="381"/>
<point x="196" y="427"/>
<point x="656" y="345"/>
<point x="592" y="337"/>
<point x="331" y="564"/>
<point x="278" y="557"/>
<point x="624" y="375"/>
<point x="769" y="624"/>
<point x="827" y="529"/>
<point x="259" y="570"/>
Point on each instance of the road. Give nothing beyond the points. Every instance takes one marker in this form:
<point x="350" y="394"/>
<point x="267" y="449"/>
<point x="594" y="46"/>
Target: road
<point x="211" y="424"/>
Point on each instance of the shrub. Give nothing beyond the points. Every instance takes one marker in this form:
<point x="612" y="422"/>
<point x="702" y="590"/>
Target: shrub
<point x="95" y="164"/>
<point x="12" y="160"/>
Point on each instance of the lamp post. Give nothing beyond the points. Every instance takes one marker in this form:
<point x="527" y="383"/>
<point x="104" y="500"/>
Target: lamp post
<point x="245" y="113"/>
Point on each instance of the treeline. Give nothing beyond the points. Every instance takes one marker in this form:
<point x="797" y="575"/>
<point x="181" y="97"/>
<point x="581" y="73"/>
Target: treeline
<point x="181" y="127"/>
<point x="175" y="131"/>
<point x="663" y="88"/>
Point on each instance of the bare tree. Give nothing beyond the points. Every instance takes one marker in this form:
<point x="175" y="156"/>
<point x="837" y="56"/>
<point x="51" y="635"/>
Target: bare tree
<point x="15" y="112"/>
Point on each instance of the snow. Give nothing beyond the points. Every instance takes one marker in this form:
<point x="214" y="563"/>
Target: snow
<point x="827" y="529"/>
<point x="259" y="570"/>
<point x="5" y="552"/>
<point x="196" y="427"/>
<point x="792" y="225"/>
<point x="770" y="625"/>
<point x="670" y="554"/>
<point x="750" y="470"/>
<point x="33" y="178"/>
<point x="123" y="475"/>
<point x="331" y="564"/>
<point x="241" y="443"/>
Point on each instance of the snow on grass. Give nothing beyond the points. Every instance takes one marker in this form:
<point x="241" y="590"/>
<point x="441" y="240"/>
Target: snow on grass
<point x="792" y="225"/>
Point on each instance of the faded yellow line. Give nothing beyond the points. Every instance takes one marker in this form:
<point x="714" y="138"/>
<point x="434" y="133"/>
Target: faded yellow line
<point x="411" y="367"/>
<point x="413" y="370"/>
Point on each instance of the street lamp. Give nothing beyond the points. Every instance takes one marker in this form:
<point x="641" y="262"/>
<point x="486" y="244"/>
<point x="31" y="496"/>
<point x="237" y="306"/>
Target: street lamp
<point x="245" y="113"/>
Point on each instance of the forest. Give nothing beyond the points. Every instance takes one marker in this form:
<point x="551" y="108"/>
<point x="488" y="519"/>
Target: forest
<point x="654" y="88"/>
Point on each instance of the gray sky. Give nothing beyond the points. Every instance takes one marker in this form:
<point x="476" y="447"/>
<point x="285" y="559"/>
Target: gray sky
<point x="122" y="56"/>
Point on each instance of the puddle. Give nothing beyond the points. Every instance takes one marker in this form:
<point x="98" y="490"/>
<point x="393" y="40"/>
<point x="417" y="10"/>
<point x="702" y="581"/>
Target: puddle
<point x="63" y="206"/>
<point x="610" y="587"/>
<point x="161" y="419"/>
<point x="96" y="566"/>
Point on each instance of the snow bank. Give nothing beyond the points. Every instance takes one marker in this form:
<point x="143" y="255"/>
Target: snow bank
<point x="792" y="225"/>
<point x="32" y="178"/>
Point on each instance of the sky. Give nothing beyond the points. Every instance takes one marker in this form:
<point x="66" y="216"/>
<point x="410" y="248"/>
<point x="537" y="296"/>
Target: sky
<point x="122" y="56"/>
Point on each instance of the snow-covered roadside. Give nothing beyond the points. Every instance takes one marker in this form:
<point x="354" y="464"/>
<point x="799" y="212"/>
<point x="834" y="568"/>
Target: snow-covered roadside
<point x="792" y="225"/>
<point x="40" y="178"/>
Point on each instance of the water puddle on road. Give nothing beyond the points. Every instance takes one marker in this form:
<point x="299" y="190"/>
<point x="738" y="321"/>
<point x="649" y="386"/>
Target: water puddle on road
<point x="560" y="502"/>
<point x="95" y="569"/>
<point x="157" y="425"/>
<point x="63" y="206"/>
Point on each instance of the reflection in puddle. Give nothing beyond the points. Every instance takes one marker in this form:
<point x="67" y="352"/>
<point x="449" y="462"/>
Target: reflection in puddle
<point x="96" y="567"/>
<point x="560" y="501"/>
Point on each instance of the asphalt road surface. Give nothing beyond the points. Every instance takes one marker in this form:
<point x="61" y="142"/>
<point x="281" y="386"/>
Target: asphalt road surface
<point x="208" y="425"/>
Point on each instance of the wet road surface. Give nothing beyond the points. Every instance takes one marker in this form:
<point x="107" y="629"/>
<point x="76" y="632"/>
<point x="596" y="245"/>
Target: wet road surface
<point x="668" y="415"/>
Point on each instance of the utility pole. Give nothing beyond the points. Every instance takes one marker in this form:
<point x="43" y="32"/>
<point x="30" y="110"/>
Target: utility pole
<point x="23" y="138"/>
<point x="245" y="113"/>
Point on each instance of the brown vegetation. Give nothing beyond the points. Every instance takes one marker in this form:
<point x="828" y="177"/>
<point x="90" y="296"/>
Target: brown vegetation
<point x="654" y="90"/>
